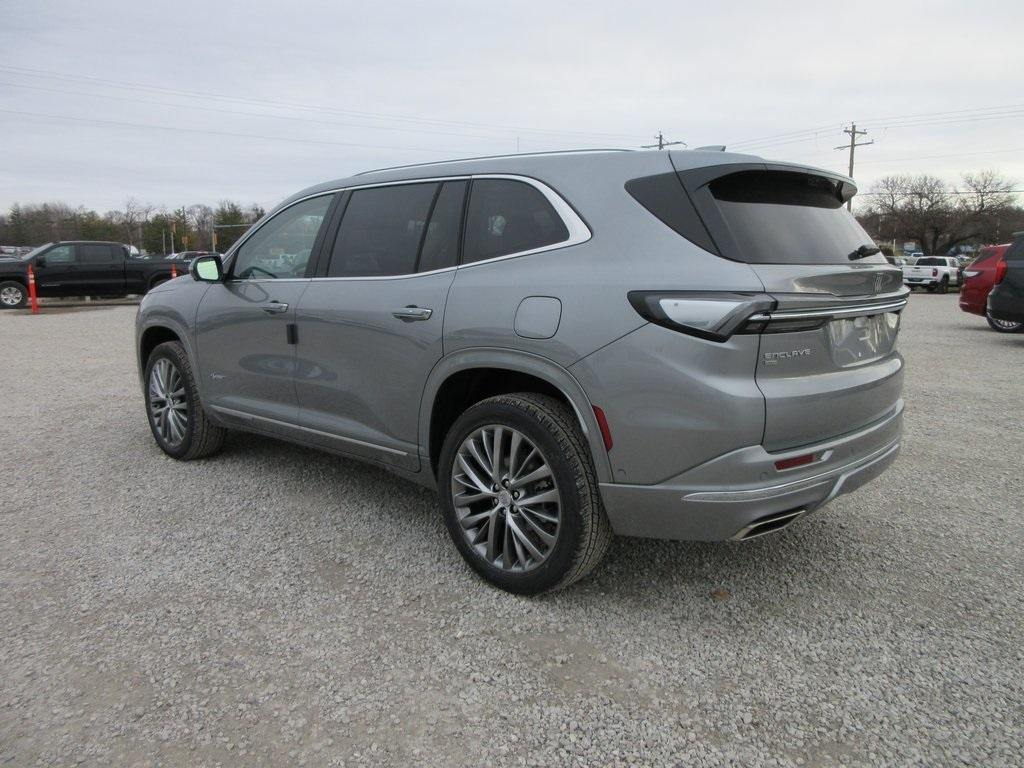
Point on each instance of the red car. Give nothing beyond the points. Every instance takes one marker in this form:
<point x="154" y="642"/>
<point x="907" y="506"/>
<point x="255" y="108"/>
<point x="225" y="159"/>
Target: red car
<point x="980" y="276"/>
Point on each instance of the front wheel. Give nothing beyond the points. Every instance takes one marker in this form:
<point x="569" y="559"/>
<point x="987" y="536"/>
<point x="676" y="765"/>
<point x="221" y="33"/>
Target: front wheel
<point x="12" y="295"/>
<point x="519" y="494"/>
<point x="179" y="424"/>
<point x="1003" y="326"/>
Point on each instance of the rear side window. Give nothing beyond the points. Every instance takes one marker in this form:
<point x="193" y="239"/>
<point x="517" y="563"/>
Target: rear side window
<point x="94" y="254"/>
<point x="507" y="216"/>
<point x="785" y="217"/>
<point x="381" y="230"/>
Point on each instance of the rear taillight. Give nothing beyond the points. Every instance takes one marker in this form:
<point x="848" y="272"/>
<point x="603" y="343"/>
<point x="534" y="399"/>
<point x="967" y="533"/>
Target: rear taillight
<point x="935" y="272"/>
<point x="714" y="316"/>
<point x="1000" y="272"/>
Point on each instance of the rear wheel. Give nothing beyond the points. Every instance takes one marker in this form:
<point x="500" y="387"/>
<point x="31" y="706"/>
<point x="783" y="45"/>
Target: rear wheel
<point x="944" y="285"/>
<point x="519" y="494"/>
<point x="176" y="416"/>
<point x="12" y="295"/>
<point x="1003" y="326"/>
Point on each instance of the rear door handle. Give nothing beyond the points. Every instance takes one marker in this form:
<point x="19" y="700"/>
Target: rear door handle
<point x="410" y="314"/>
<point x="275" y="308"/>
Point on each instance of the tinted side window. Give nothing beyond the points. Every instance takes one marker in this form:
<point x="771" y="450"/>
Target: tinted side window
<point x="94" y="254"/>
<point x="507" y="216"/>
<point x="281" y="247"/>
<point x="381" y="230"/>
<point x="441" y="241"/>
<point x="62" y="254"/>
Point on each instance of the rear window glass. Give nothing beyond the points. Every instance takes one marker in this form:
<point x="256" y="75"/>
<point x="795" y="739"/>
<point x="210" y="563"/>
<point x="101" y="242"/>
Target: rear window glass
<point x="506" y="217"/>
<point x="932" y="261"/>
<point x="785" y="217"/>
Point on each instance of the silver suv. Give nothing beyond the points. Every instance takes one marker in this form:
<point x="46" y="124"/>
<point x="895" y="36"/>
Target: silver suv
<point x="682" y="345"/>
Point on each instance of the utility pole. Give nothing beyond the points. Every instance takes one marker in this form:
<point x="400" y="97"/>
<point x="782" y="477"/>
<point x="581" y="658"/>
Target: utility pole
<point x="662" y="143"/>
<point x="854" y="133"/>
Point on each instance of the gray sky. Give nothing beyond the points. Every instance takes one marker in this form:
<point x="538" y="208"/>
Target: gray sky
<point x="254" y="100"/>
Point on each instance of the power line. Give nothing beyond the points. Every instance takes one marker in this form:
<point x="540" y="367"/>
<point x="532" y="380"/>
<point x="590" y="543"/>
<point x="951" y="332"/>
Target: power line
<point x="854" y="133"/>
<point x="104" y="82"/>
<point x="174" y="129"/>
<point x="662" y="143"/>
<point x="311" y="120"/>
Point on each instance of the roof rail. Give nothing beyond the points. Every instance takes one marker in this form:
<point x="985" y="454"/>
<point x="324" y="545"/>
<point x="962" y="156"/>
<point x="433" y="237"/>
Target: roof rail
<point x="493" y="157"/>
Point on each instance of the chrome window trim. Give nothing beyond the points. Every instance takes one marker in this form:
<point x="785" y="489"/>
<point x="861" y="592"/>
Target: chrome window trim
<point x="578" y="230"/>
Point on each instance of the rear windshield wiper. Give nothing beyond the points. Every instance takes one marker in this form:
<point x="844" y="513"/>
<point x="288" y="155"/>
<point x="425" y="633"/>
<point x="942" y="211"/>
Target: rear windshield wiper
<point x="864" y="251"/>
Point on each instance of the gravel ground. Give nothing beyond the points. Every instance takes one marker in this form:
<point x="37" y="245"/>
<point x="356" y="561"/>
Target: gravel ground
<point x="276" y="606"/>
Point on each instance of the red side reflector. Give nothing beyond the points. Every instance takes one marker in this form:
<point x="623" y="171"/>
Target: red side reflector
<point x="796" y="461"/>
<point x="606" y="433"/>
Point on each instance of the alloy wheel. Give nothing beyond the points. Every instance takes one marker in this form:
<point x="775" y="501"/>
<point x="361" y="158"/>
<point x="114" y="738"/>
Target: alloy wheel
<point x="167" y="403"/>
<point x="1006" y="325"/>
<point x="505" y="498"/>
<point x="11" y="296"/>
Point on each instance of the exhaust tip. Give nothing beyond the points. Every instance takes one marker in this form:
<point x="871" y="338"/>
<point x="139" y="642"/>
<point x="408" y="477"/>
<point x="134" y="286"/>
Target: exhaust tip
<point x="769" y="524"/>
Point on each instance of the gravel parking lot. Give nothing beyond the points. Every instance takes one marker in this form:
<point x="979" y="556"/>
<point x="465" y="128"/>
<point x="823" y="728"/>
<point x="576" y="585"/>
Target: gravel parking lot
<point x="277" y="606"/>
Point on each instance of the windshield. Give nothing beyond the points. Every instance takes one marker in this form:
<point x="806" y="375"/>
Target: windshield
<point x="36" y="251"/>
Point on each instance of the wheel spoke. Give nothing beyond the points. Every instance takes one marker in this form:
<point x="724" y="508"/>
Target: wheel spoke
<point x="499" y="435"/>
<point x="538" y="474"/>
<point x="521" y="537"/>
<point x="492" y="537"/>
<point x="463" y="499"/>
<point x="513" y="451"/>
<point x="540" y="498"/>
<point x="547" y="538"/>
<point x="471" y="474"/>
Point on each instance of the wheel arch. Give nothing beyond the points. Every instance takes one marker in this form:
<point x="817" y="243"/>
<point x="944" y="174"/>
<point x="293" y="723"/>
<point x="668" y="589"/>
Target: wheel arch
<point x="155" y="331"/>
<point x="469" y="375"/>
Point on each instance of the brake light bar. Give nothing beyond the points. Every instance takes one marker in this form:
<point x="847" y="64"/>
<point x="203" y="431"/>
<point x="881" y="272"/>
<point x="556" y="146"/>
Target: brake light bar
<point x="1000" y="271"/>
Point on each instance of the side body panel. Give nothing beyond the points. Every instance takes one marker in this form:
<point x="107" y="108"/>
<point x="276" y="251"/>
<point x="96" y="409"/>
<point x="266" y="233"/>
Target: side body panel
<point x="360" y="369"/>
<point x="244" y="354"/>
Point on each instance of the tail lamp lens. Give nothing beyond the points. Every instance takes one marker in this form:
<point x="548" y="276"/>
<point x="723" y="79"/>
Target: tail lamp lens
<point x="1000" y="271"/>
<point x="796" y="461"/>
<point x="712" y="316"/>
<point x="935" y="272"/>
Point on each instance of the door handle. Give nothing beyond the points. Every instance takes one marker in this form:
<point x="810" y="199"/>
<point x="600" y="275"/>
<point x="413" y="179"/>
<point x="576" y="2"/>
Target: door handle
<point x="410" y="314"/>
<point x="275" y="308"/>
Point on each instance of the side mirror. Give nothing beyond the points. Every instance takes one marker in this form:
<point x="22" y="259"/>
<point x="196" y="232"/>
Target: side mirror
<point x="206" y="269"/>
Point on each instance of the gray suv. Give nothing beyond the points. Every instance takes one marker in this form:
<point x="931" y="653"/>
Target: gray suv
<point x="683" y="345"/>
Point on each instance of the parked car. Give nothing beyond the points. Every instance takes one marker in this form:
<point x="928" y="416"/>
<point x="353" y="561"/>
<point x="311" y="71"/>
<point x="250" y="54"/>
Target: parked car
<point x="935" y="273"/>
<point x="1005" y="305"/>
<point x="79" y="268"/>
<point x="979" y="278"/>
<point x="682" y="345"/>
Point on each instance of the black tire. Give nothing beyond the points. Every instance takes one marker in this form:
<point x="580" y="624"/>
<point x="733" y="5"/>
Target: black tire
<point x="584" y="532"/>
<point x="201" y="437"/>
<point x="1003" y="326"/>
<point x="930" y="289"/>
<point x="13" y="295"/>
<point x="944" y="285"/>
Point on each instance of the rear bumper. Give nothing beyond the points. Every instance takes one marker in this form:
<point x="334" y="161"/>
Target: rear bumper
<point x="729" y="496"/>
<point x="1006" y="308"/>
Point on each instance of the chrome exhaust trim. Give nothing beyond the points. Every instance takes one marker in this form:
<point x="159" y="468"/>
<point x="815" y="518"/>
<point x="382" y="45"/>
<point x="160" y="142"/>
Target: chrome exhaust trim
<point x="769" y="524"/>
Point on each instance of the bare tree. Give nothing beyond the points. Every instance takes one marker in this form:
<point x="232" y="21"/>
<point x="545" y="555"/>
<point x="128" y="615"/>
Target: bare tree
<point x="926" y="209"/>
<point x="131" y="219"/>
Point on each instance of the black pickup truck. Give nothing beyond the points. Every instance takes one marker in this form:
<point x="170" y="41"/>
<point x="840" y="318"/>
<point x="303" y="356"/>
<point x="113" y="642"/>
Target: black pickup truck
<point x="82" y="268"/>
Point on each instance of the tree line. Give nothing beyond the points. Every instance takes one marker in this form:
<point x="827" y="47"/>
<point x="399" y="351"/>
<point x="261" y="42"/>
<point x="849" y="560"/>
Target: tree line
<point x="150" y="229"/>
<point x="982" y="209"/>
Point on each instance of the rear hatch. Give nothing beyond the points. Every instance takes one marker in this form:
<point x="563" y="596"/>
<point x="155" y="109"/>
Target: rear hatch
<point x="827" y="362"/>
